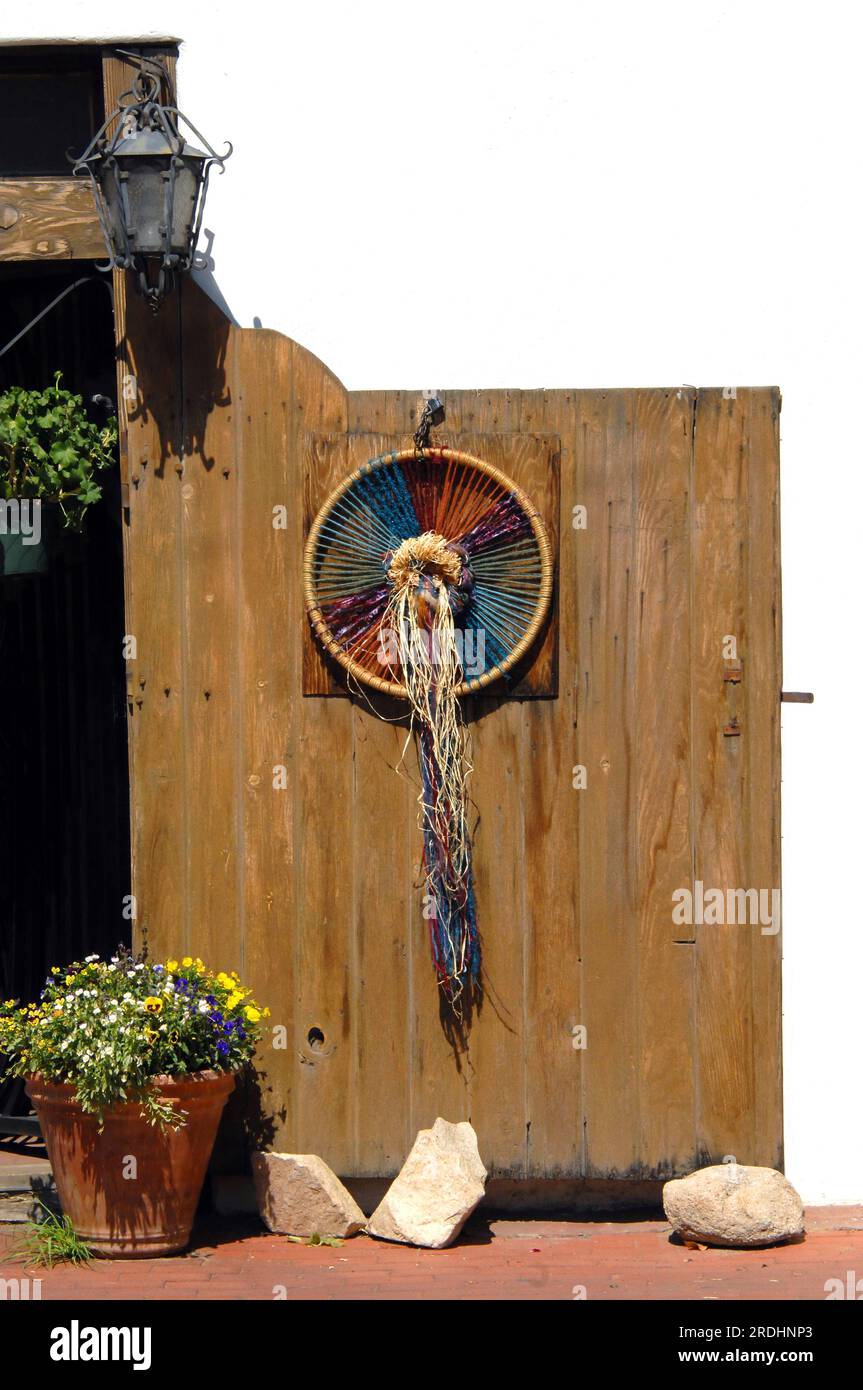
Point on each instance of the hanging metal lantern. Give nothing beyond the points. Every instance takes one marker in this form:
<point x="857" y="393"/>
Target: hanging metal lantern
<point x="150" y="184"/>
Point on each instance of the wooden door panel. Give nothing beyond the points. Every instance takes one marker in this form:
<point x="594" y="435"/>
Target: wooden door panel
<point x="275" y="834"/>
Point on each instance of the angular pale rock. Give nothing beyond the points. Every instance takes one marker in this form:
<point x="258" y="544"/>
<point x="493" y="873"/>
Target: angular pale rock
<point x="442" y="1181"/>
<point x="731" y="1204"/>
<point x="298" y="1195"/>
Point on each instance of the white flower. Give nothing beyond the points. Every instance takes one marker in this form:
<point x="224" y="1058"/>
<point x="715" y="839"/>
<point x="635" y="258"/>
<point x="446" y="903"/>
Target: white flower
<point x="90" y="958"/>
<point x="203" y="1007"/>
<point x="112" y="1018"/>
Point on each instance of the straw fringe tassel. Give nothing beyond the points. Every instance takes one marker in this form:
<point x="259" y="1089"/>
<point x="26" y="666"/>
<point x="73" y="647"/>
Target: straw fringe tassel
<point x="420" y="612"/>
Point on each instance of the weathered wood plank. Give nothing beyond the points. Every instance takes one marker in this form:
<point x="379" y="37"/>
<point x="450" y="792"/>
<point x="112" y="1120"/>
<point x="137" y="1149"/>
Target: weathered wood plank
<point x="607" y="633"/>
<point x="155" y="620"/>
<point x="147" y="350"/>
<point x="267" y="654"/>
<point x="50" y="219"/>
<point x="724" y="1003"/>
<point x="762" y="682"/>
<point x="553" y="978"/>
<point x="383" y="807"/>
<point x="323" y="1040"/>
<point x="496" y="1042"/>
<point x="665" y="964"/>
<point x="209" y="491"/>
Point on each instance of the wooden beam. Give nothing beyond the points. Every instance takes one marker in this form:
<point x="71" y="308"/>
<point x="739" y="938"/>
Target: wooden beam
<point x="50" y="219"/>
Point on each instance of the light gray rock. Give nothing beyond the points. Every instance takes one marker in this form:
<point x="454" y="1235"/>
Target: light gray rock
<point x="732" y="1204"/>
<point x="442" y="1181"/>
<point x="298" y="1195"/>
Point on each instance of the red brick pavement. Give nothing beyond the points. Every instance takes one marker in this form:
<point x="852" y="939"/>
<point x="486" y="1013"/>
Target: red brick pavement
<point x="497" y="1259"/>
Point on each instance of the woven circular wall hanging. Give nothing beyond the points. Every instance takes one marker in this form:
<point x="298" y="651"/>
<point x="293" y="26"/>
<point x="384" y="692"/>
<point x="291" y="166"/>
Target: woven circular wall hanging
<point x="428" y="574"/>
<point x="400" y="496"/>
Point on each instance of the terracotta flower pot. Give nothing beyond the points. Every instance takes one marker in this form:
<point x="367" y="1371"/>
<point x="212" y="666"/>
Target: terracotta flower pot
<point x="131" y="1191"/>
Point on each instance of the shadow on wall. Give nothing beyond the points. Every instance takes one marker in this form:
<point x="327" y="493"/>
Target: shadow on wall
<point x="203" y="274"/>
<point x="249" y="1122"/>
<point x="177" y="362"/>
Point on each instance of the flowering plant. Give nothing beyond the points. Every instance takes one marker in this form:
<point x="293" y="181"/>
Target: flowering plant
<point x="109" y="1027"/>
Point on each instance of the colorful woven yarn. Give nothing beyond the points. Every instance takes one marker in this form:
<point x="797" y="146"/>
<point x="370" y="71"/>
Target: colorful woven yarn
<point x="427" y="575"/>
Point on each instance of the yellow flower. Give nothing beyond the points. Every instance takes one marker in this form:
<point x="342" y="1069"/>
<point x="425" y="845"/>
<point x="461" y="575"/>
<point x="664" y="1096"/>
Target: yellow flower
<point x="171" y="965"/>
<point x="224" y="980"/>
<point x="233" y="1000"/>
<point x="266" y="1013"/>
<point x="199" y="963"/>
<point x="70" y="979"/>
<point x="187" y="961"/>
<point x="252" y="1014"/>
<point x="55" y="970"/>
<point x="153" y="1005"/>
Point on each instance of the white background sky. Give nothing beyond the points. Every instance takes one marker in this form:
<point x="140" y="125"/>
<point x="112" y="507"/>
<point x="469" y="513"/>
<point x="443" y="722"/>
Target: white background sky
<point x="625" y="194"/>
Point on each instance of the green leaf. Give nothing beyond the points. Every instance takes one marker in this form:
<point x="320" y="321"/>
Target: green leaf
<point x="49" y="446"/>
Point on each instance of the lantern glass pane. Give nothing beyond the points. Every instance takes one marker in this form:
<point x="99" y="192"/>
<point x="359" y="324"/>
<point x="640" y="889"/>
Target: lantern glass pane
<point x="115" y="214"/>
<point x="187" y="180"/>
<point x="145" y="190"/>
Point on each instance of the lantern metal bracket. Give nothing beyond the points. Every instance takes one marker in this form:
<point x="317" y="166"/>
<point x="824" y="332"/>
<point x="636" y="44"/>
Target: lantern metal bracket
<point x="140" y="112"/>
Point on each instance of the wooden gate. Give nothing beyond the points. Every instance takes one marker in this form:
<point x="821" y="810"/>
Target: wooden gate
<point x="273" y="834"/>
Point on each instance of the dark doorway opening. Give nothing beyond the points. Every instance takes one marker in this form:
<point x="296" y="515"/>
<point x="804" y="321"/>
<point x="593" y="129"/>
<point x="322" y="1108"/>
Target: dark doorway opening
<point x="64" y="777"/>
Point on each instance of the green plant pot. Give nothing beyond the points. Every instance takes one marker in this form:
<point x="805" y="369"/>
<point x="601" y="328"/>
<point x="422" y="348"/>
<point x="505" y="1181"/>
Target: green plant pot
<point x="20" y="556"/>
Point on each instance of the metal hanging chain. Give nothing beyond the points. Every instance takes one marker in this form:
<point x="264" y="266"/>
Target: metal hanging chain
<point x="433" y="415"/>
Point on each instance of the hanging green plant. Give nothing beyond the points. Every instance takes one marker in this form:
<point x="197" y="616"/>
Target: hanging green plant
<point x="51" y="451"/>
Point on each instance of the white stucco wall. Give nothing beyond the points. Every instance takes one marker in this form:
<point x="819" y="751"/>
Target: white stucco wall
<point x="618" y="194"/>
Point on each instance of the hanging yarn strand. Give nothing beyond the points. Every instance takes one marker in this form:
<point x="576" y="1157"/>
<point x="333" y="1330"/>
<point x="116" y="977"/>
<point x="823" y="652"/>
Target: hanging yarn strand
<point x="428" y="574"/>
<point x="430" y="584"/>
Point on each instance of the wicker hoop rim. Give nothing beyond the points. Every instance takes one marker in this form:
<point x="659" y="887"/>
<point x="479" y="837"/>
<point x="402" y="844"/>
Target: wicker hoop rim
<point x="319" y="624"/>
